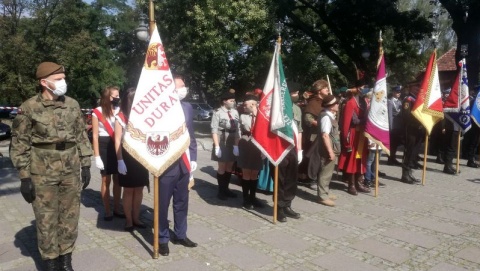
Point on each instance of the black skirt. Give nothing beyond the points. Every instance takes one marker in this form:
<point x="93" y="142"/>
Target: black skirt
<point x="137" y="174"/>
<point x="106" y="147"/>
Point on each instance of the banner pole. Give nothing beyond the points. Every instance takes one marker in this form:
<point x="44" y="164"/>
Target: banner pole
<point x="425" y="159"/>
<point x="275" y="195"/>
<point x="329" y="86"/>
<point x="155" y="217"/>
<point x="458" y="151"/>
<point x="376" y="172"/>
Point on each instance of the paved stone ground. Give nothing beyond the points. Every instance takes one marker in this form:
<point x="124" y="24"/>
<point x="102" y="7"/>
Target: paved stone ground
<point x="407" y="227"/>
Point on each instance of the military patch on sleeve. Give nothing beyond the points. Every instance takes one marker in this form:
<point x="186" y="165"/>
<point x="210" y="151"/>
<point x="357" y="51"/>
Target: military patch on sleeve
<point x="406" y="105"/>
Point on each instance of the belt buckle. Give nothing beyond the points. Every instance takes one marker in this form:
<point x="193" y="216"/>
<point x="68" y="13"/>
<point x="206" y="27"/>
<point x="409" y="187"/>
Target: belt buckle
<point x="60" y="146"/>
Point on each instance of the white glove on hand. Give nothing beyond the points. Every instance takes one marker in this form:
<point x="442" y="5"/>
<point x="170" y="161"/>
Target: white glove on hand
<point x="193" y="166"/>
<point x="99" y="163"/>
<point x="235" y="150"/>
<point x="122" y="168"/>
<point x="300" y="156"/>
<point x="218" y="152"/>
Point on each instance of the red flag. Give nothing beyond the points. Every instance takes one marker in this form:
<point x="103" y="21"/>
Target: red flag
<point x="428" y="108"/>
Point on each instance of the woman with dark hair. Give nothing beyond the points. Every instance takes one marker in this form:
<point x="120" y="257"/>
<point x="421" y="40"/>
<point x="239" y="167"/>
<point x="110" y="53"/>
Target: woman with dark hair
<point x="133" y="175"/>
<point x="225" y="135"/>
<point x="103" y="120"/>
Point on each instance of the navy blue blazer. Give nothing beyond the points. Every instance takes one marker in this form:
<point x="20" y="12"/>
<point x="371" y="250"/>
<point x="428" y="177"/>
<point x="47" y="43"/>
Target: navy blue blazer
<point x="179" y="165"/>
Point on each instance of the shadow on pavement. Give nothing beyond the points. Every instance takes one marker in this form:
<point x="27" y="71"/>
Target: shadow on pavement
<point x="26" y="241"/>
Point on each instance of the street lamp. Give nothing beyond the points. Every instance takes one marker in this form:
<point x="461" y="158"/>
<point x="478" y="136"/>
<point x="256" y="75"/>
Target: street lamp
<point x="144" y="33"/>
<point x="142" y="29"/>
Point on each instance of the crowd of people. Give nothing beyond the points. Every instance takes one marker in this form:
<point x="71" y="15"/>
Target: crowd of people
<point x="331" y="126"/>
<point x="52" y="152"/>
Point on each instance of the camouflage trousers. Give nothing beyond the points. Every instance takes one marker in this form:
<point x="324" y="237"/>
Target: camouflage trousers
<point x="57" y="209"/>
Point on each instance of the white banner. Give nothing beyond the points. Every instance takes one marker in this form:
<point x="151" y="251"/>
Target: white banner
<point x="156" y="133"/>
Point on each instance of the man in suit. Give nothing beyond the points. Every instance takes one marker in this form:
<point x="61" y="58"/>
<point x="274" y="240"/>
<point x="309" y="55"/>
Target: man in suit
<point x="174" y="182"/>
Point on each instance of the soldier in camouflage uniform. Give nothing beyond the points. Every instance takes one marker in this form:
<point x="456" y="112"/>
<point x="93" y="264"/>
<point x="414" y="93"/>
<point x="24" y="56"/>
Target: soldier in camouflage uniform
<point x="51" y="151"/>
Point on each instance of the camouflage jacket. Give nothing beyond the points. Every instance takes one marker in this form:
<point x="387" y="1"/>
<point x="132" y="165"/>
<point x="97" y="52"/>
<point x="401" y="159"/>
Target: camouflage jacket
<point x="41" y="121"/>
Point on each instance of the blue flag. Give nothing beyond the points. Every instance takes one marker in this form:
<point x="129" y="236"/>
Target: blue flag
<point x="457" y="105"/>
<point x="476" y="110"/>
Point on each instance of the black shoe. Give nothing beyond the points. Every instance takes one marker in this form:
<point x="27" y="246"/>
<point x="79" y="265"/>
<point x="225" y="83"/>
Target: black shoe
<point x="140" y="225"/>
<point x="449" y="170"/>
<point x="129" y="228"/>
<point x="51" y="265"/>
<point x="65" y="262"/>
<point x="291" y="213"/>
<point x="247" y="205"/>
<point x="369" y="183"/>
<point x="472" y="163"/>
<point x="119" y="215"/>
<point x="164" y="250"/>
<point x="281" y="217"/>
<point x="381" y="174"/>
<point x="230" y="194"/>
<point x="406" y="177"/>
<point x="184" y="242"/>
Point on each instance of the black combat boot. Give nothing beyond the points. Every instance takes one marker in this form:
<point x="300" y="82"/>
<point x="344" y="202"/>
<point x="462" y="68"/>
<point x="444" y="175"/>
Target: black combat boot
<point x="448" y="168"/>
<point x="472" y="163"/>
<point x="51" y="265"/>
<point x="281" y="217"/>
<point x="415" y="180"/>
<point x="406" y="177"/>
<point x="66" y="262"/>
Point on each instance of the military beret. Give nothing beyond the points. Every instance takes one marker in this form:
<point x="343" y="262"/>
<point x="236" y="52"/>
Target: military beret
<point x="329" y="100"/>
<point x="46" y="69"/>
<point x="227" y="95"/>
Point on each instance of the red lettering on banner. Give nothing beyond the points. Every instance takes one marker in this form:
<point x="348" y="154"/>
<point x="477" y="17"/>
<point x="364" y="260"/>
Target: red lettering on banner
<point x="159" y="112"/>
<point x="151" y="96"/>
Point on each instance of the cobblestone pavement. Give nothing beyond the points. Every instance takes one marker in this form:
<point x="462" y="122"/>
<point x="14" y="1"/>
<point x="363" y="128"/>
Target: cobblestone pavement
<point x="407" y="227"/>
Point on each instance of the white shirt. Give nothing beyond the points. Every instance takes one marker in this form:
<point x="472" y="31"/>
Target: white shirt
<point x="101" y="128"/>
<point x="326" y="122"/>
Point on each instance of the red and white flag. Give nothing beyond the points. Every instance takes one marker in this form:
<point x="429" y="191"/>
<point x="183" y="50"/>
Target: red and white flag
<point x="156" y="133"/>
<point x="274" y="132"/>
<point x="377" y="126"/>
<point x="428" y="107"/>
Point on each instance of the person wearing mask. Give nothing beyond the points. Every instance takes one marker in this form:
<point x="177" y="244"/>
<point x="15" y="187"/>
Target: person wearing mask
<point x="51" y="151"/>
<point x="225" y="135"/>
<point x="174" y="183"/>
<point x="250" y="158"/>
<point x="103" y="123"/>
<point x="133" y="176"/>
<point x="354" y="152"/>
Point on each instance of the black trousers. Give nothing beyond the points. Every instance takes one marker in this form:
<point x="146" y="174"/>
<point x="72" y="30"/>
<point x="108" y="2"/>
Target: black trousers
<point x="287" y="178"/>
<point x="396" y="138"/>
<point x="470" y="142"/>
<point x="451" y="145"/>
<point x="414" y="137"/>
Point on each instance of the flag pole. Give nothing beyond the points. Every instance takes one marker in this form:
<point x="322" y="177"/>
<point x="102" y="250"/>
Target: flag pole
<point x="155" y="217"/>
<point x="425" y="159"/>
<point x="458" y="151"/>
<point x="275" y="195"/>
<point x="329" y="86"/>
<point x="376" y="171"/>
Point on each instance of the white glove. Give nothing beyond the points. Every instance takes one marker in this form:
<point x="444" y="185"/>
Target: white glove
<point x="193" y="166"/>
<point x="99" y="163"/>
<point x="122" y="168"/>
<point x="235" y="150"/>
<point x="191" y="183"/>
<point x="300" y="156"/>
<point x="218" y="152"/>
